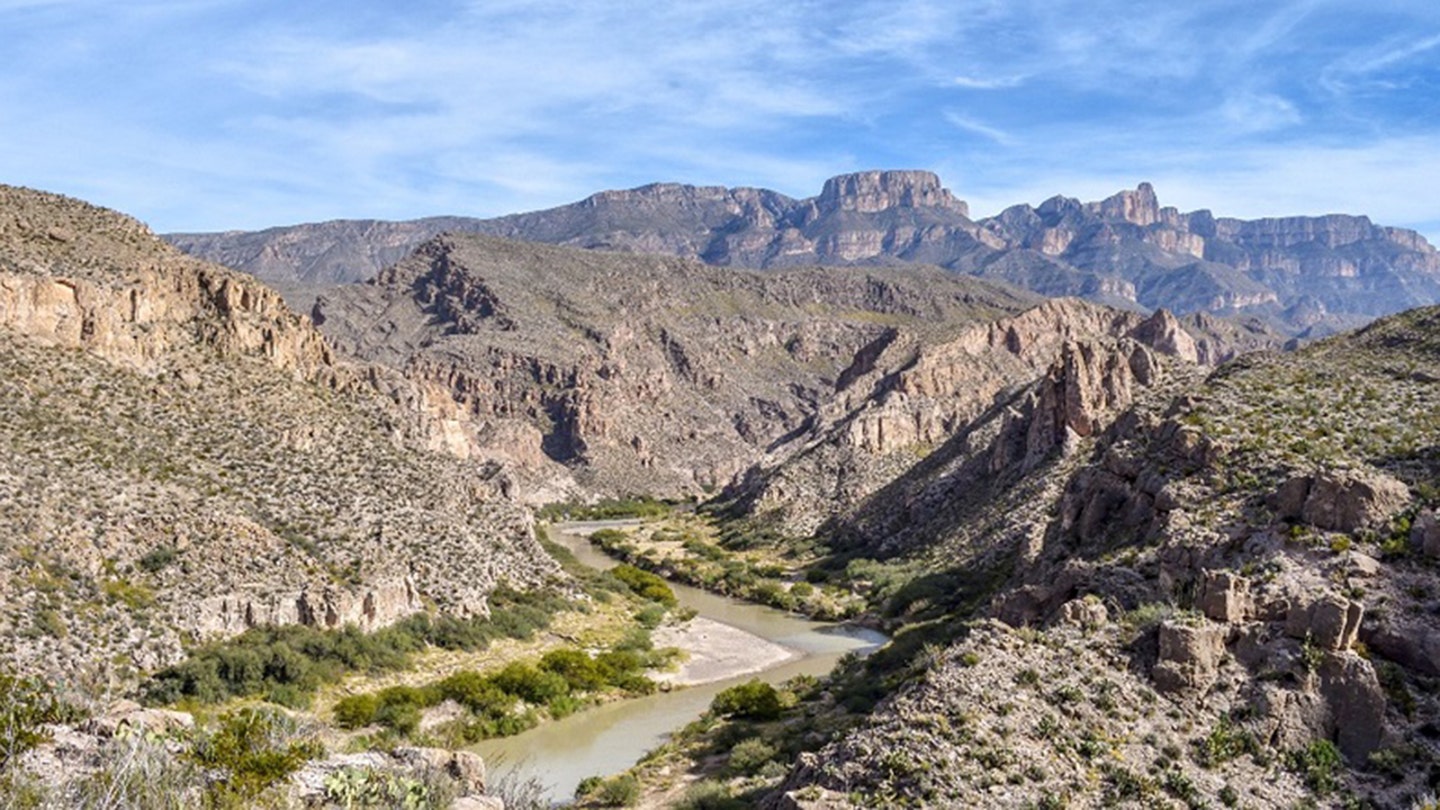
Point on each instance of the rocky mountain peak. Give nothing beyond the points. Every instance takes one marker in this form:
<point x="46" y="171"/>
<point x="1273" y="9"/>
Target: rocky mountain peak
<point x="874" y="191"/>
<point x="1140" y="206"/>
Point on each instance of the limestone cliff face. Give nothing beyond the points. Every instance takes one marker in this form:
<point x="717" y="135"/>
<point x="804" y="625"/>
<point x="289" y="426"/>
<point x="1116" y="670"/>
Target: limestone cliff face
<point x="182" y="456"/>
<point x="873" y="192"/>
<point x="921" y="419"/>
<point x="621" y="374"/>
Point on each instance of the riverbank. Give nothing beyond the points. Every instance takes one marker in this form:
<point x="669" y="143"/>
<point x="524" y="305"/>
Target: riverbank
<point x="729" y="642"/>
<point x="715" y="651"/>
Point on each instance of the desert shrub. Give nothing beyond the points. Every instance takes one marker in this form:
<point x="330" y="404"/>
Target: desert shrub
<point x="645" y="584"/>
<point x="1225" y="742"/>
<point x="294" y="660"/>
<point x="26" y="706"/>
<point x="618" y="662"/>
<point x="402" y="718"/>
<point x="577" y="668"/>
<point x="709" y="796"/>
<point x="531" y="684"/>
<point x="650" y="616"/>
<point x="606" y="509"/>
<point x="618" y="791"/>
<point x="158" y="559"/>
<point x="636" y="639"/>
<point x="755" y="700"/>
<point x="136" y="771"/>
<point x="749" y="756"/>
<point x="1318" y="764"/>
<point x="356" y="711"/>
<point x="562" y="706"/>
<point x="254" y="749"/>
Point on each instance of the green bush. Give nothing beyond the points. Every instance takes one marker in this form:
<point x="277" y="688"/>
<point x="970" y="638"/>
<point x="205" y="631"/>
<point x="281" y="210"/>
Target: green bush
<point x="26" y="705"/>
<point x="645" y="584"/>
<point x="530" y="683"/>
<point x="755" y="700"/>
<point x="650" y="616"/>
<point x="709" y="796"/>
<point x="562" y="706"/>
<point x="356" y="711"/>
<point x="1319" y="764"/>
<point x="403" y="718"/>
<point x="748" y="756"/>
<point x="295" y="660"/>
<point x="607" y="509"/>
<point x="158" y="559"/>
<point x="619" y="791"/>
<point x="577" y="668"/>
<point x="254" y="749"/>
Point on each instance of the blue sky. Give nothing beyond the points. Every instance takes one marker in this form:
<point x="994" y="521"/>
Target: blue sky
<point x="212" y="115"/>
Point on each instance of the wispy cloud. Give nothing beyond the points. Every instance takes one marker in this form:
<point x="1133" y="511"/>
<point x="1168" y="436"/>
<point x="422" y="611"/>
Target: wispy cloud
<point x="970" y="125"/>
<point x="987" y="83"/>
<point x="250" y="114"/>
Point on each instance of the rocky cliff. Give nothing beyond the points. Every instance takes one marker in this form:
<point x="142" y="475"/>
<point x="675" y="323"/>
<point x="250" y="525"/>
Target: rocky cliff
<point x="624" y="374"/>
<point x="926" y="425"/>
<point x="1309" y="275"/>
<point x="183" y="456"/>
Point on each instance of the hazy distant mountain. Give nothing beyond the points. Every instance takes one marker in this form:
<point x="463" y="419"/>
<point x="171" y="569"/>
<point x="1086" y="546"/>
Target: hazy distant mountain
<point x="1307" y="275"/>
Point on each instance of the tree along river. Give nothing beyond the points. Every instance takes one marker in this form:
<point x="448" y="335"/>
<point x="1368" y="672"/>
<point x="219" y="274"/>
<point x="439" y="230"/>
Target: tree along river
<point x="610" y="738"/>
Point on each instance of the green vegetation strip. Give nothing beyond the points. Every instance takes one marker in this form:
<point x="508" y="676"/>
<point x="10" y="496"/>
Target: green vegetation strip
<point x="286" y="665"/>
<point x="512" y="700"/>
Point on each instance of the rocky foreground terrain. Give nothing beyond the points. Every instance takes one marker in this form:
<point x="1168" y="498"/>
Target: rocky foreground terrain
<point x="1227" y="599"/>
<point x="1303" y="275"/>
<point x="181" y="456"/>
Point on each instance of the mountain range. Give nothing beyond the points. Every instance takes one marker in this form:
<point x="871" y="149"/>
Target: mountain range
<point x="1305" y="276"/>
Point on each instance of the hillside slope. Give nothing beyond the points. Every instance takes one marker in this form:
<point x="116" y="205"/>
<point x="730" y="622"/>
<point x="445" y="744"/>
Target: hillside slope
<point x="181" y="456"/>
<point x="1229" y="601"/>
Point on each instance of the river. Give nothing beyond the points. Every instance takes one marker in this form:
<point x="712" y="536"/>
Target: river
<point x="608" y="739"/>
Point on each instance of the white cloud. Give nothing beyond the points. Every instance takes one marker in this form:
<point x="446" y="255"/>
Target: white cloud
<point x="1259" y="112"/>
<point x="987" y="83"/>
<point x="970" y="125"/>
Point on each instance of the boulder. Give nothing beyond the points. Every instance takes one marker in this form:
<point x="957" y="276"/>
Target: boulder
<point x="1408" y="642"/>
<point x="125" y="716"/>
<point x="1351" y="500"/>
<point x="1086" y="614"/>
<point x="1289" y="500"/>
<point x="465" y="768"/>
<point x="1190" y="655"/>
<point x="1425" y="533"/>
<point x="1022" y="606"/>
<point x="1332" y="622"/>
<point x="1357" y="703"/>
<point x="1225" y="597"/>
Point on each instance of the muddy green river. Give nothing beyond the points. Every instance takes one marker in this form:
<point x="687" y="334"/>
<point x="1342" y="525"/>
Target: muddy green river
<point x="608" y="739"/>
